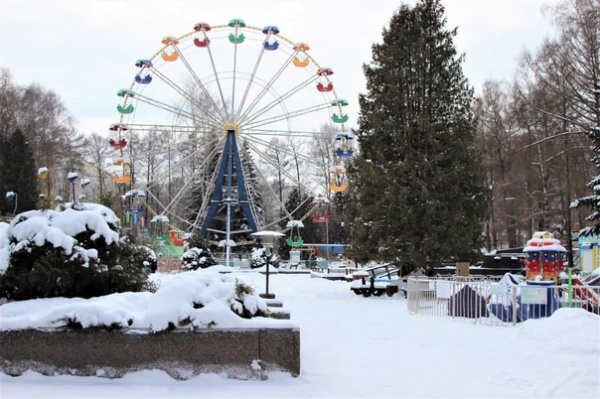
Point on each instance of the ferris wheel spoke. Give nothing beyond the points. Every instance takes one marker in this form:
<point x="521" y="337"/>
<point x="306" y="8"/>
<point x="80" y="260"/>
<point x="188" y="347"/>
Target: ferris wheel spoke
<point x="277" y="132"/>
<point x="250" y="117"/>
<point x="273" y="192"/>
<point x="266" y="88"/>
<point x="168" y="211"/>
<point x="248" y="85"/>
<point x="185" y="161"/>
<point x="267" y="159"/>
<point x="183" y="129"/>
<point x="198" y="81"/>
<point x="235" y="52"/>
<point x="216" y="75"/>
<point x="175" y="110"/>
<point x="186" y="95"/>
<point x="264" y="143"/>
<point x="282" y="206"/>
<point x="204" y="203"/>
<point x="258" y="144"/>
<point x="167" y="208"/>
<point x="252" y="77"/>
<point x="287" y="115"/>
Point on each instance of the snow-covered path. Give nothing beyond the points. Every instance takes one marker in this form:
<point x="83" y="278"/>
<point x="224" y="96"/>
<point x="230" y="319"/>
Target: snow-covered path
<point x="371" y="347"/>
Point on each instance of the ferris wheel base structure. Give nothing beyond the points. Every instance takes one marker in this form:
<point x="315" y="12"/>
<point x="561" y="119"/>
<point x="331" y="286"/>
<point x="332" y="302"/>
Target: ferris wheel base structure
<point x="230" y="162"/>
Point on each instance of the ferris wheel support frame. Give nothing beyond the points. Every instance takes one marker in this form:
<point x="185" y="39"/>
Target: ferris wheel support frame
<point x="229" y="157"/>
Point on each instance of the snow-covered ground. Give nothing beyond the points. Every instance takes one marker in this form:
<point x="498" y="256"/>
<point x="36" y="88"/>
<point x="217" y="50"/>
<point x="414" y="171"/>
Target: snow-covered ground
<point x="371" y="347"/>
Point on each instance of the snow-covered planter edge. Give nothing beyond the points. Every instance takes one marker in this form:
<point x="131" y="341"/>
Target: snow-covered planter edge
<point x="234" y="353"/>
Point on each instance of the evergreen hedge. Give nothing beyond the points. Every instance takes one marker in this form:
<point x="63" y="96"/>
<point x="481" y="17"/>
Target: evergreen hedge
<point x="91" y="267"/>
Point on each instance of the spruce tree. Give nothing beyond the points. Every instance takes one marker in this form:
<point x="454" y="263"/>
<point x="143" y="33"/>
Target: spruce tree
<point x="593" y="201"/>
<point x="19" y="174"/>
<point x="416" y="191"/>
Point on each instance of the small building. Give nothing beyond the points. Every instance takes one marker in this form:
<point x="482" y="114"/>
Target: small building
<point x="589" y="253"/>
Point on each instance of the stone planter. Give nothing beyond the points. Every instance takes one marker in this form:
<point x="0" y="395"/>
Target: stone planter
<point x="242" y="354"/>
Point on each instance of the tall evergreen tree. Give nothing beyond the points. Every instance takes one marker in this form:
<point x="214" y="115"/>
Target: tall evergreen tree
<point x="18" y="175"/>
<point x="593" y="201"/>
<point x="417" y="190"/>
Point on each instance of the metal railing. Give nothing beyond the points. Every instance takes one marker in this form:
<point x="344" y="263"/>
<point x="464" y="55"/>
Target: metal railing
<point x="483" y="300"/>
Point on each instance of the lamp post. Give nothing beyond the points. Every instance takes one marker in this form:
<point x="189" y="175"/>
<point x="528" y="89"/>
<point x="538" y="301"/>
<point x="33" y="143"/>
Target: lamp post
<point x="10" y="197"/>
<point x="268" y="239"/>
<point x="72" y="176"/>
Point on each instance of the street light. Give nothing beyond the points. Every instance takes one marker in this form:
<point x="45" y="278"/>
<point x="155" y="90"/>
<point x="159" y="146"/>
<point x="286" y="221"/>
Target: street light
<point x="268" y="239"/>
<point x="72" y="176"/>
<point x="10" y="197"/>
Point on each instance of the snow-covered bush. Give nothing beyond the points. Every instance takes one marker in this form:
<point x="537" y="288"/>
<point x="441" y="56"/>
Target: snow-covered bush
<point x="197" y="258"/>
<point x="68" y="253"/>
<point x="259" y="259"/>
<point x="203" y="299"/>
<point x="195" y="300"/>
<point x="199" y="255"/>
<point x="151" y="263"/>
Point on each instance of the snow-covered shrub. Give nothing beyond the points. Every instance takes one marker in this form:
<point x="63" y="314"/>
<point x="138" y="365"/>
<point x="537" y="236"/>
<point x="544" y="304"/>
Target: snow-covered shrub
<point x="197" y="258"/>
<point x="199" y="255"/>
<point x="194" y="300"/>
<point x="259" y="259"/>
<point x="68" y="253"/>
<point x="150" y="264"/>
<point x="202" y="299"/>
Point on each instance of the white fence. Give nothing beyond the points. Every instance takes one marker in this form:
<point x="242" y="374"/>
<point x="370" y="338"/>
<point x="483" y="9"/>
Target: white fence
<point x="486" y="301"/>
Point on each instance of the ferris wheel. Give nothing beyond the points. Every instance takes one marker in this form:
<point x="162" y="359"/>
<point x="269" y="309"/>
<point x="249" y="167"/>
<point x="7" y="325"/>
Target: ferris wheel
<point x="228" y="99"/>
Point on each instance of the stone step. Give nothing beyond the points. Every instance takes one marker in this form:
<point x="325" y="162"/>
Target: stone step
<point x="279" y="313"/>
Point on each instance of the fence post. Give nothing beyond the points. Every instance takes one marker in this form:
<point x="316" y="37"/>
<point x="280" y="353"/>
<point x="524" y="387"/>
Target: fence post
<point x="514" y="305"/>
<point x="462" y="269"/>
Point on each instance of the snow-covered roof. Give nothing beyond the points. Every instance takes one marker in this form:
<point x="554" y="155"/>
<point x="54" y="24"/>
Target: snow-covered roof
<point x="160" y="218"/>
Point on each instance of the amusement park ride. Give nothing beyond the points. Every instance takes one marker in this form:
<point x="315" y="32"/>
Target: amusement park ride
<point x="544" y="257"/>
<point x="224" y="93"/>
<point x="544" y="263"/>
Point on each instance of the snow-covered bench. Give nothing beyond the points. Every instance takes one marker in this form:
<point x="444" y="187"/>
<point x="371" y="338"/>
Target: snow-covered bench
<point x="374" y="280"/>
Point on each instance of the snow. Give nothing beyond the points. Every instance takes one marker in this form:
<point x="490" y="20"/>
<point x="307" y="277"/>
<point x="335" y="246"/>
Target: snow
<point x="351" y="346"/>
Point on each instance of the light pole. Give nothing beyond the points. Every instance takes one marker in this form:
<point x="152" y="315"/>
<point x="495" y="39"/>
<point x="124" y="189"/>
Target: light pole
<point x="10" y="197"/>
<point x="268" y="239"/>
<point x="72" y="176"/>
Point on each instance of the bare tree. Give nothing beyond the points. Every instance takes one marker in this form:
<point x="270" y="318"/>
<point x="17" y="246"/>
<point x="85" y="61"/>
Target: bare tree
<point x="322" y="151"/>
<point x="496" y="136"/>
<point x="95" y="150"/>
<point x="555" y="105"/>
<point x="43" y="119"/>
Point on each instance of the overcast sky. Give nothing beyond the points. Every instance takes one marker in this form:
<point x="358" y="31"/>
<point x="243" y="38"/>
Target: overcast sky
<point x="84" y="50"/>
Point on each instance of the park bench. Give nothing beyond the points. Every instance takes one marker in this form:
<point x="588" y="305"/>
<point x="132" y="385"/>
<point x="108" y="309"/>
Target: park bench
<point x="375" y="280"/>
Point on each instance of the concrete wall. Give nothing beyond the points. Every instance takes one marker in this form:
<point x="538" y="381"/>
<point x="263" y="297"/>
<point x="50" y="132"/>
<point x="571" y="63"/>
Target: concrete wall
<point x="242" y="354"/>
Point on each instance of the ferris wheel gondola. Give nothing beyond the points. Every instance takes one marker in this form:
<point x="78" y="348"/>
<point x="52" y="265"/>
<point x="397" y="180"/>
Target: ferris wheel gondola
<point x="294" y="239"/>
<point x="321" y="214"/>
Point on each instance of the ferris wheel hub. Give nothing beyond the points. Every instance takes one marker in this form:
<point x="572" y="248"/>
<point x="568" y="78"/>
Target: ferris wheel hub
<point x="231" y="126"/>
